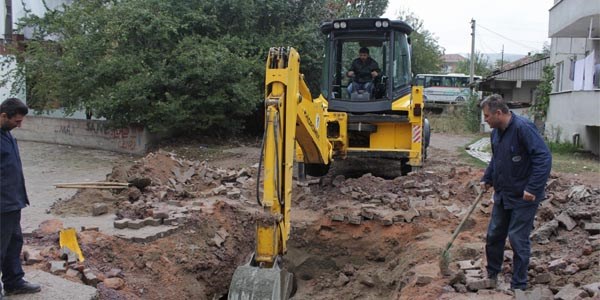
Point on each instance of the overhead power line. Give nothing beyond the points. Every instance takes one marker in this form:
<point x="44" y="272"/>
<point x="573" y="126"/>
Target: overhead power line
<point x="507" y="38"/>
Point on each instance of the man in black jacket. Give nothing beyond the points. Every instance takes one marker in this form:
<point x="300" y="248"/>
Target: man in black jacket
<point x="363" y="70"/>
<point x="13" y="198"/>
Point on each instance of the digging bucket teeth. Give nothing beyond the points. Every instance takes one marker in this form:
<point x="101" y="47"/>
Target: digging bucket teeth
<point x="255" y="283"/>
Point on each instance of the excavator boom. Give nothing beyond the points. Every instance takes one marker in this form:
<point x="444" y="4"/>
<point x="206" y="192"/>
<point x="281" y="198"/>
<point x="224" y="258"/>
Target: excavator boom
<point x="292" y="118"/>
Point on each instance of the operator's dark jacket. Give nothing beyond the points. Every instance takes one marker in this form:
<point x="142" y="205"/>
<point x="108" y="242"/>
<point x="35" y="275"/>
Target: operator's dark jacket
<point x="521" y="161"/>
<point x="12" y="183"/>
<point x="362" y="71"/>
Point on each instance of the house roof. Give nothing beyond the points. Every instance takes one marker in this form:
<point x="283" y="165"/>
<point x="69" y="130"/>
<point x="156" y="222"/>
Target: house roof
<point x="527" y="68"/>
<point x="451" y="58"/>
<point x="519" y="62"/>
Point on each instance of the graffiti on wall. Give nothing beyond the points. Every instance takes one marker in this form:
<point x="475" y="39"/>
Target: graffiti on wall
<point x="64" y="130"/>
<point x="127" y="138"/>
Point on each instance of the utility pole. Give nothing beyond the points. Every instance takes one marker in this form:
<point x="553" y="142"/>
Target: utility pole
<point x="8" y="22"/>
<point x="472" y="68"/>
<point x="502" y="59"/>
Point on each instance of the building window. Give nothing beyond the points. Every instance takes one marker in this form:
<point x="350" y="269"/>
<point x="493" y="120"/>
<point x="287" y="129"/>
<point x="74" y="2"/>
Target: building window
<point x="558" y="82"/>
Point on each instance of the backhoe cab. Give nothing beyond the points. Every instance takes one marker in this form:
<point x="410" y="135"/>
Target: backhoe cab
<point x="384" y="122"/>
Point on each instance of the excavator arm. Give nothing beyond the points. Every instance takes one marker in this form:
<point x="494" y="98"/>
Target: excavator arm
<point x="292" y="120"/>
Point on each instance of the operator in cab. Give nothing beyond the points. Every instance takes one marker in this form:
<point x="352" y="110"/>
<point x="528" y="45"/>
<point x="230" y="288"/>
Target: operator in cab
<point x="362" y="72"/>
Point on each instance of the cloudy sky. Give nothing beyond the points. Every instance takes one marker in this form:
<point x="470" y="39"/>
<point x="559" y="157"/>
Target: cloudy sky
<point x="520" y="25"/>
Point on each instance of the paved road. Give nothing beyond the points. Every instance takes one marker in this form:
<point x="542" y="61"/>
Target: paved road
<point x="47" y="164"/>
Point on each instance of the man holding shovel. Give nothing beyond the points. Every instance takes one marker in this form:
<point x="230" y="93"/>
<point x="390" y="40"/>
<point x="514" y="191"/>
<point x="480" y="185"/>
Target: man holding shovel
<point x="518" y="171"/>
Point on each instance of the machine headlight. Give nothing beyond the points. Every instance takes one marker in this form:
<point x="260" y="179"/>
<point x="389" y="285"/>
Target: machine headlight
<point x="336" y="25"/>
<point x="385" y="24"/>
<point x="378" y="24"/>
<point x="343" y="25"/>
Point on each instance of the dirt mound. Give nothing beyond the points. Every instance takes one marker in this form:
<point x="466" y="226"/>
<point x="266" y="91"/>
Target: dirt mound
<point x="82" y="202"/>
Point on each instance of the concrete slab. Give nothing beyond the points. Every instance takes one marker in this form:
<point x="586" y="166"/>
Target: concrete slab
<point x="56" y="288"/>
<point x="46" y="164"/>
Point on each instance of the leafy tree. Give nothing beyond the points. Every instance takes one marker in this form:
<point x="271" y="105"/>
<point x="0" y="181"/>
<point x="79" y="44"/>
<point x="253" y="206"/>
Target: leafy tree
<point x="182" y="66"/>
<point x="358" y="8"/>
<point x="482" y="65"/>
<point x="426" y="52"/>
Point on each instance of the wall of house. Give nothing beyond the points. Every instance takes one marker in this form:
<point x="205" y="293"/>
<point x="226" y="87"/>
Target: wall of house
<point x="85" y="133"/>
<point x="511" y="93"/>
<point x="575" y="112"/>
<point x="525" y="93"/>
<point x="566" y="13"/>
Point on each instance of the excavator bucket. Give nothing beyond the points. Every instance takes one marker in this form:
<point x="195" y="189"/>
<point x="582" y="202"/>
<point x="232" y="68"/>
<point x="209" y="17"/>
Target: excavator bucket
<point x="255" y="283"/>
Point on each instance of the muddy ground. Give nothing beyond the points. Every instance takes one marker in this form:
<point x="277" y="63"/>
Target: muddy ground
<point x="354" y="235"/>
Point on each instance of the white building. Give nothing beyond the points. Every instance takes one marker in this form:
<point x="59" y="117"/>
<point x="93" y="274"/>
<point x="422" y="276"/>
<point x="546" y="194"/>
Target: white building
<point x="10" y="12"/>
<point x="574" y="112"/>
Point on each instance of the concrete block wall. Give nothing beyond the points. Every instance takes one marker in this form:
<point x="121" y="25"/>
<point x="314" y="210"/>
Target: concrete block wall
<point x="84" y="133"/>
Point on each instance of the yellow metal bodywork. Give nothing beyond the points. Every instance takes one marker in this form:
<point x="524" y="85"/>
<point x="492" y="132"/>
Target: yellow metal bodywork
<point x="401" y="137"/>
<point x="68" y="238"/>
<point x="293" y="120"/>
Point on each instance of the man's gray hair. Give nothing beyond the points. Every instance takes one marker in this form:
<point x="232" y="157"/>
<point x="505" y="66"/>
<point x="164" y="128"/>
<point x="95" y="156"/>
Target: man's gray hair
<point x="495" y="102"/>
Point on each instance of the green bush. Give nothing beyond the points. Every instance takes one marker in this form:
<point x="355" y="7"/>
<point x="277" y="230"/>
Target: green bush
<point x="563" y="147"/>
<point x="472" y="113"/>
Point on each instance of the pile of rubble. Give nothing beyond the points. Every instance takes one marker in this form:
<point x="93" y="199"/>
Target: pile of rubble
<point x="165" y="191"/>
<point x="401" y="200"/>
<point x="180" y="194"/>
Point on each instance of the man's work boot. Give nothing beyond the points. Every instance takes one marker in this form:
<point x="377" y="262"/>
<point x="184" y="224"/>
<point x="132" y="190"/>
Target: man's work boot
<point x="25" y="288"/>
<point x="493" y="282"/>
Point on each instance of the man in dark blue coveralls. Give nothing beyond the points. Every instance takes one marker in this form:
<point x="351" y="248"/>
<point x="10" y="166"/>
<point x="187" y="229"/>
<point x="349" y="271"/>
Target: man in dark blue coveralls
<point x="518" y="171"/>
<point x="13" y="198"/>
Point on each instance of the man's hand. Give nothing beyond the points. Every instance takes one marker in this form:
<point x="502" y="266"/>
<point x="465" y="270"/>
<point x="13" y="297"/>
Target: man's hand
<point x="484" y="186"/>
<point x="350" y="74"/>
<point x="374" y="74"/>
<point x="528" y="196"/>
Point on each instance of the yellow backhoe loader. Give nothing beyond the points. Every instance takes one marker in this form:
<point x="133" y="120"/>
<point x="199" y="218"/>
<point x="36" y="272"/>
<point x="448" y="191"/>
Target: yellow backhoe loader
<point x="384" y="122"/>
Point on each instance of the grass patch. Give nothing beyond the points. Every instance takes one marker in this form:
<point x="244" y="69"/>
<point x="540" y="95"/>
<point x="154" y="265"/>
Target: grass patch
<point x="487" y="148"/>
<point x="569" y="158"/>
<point x="563" y="148"/>
<point x="577" y="162"/>
<point x="204" y="148"/>
<point x="448" y="123"/>
<point x="468" y="159"/>
<point x="452" y="120"/>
